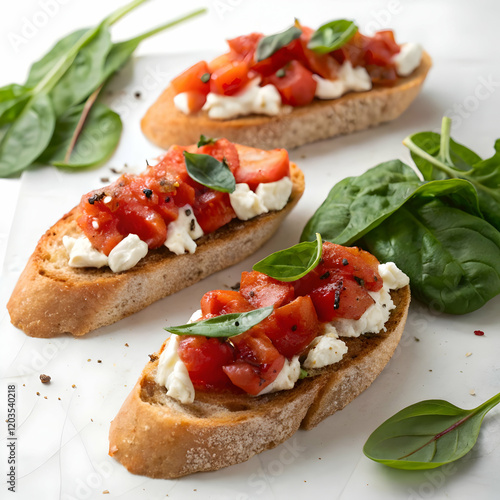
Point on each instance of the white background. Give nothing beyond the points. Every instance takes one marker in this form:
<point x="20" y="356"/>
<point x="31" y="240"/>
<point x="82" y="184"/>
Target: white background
<point x="62" y="447"/>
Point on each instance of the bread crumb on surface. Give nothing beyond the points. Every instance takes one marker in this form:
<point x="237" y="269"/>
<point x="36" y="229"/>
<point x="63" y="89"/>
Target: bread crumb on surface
<point x="45" y="379"/>
<point x="472" y="392"/>
<point x="105" y="492"/>
<point x="468" y="354"/>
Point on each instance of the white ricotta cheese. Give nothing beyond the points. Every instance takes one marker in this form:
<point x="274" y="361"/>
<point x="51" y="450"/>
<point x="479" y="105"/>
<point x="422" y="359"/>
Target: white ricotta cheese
<point x="82" y="253"/>
<point x="246" y="203"/>
<point x="181" y="102"/>
<point x="286" y="378"/>
<point x="172" y="373"/>
<point x="182" y="232"/>
<point x="349" y="79"/>
<point x="408" y="58"/>
<point x="275" y="195"/>
<point x="393" y="277"/>
<point x="326" y="349"/>
<point x="252" y="99"/>
<point x="127" y="253"/>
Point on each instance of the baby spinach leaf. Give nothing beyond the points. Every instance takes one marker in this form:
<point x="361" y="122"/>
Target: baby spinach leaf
<point x="226" y="325"/>
<point x="210" y="172"/>
<point x="94" y="144"/>
<point x="13" y="98"/>
<point x="427" y="435"/>
<point x="332" y="36"/>
<point x="439" y="157"/>
<point x="451" y="257"/>
<point x="268" y="45"/>
<point x="292" y="263"/>
<point x="356" y="205"/>
<point x="28" y="136"/>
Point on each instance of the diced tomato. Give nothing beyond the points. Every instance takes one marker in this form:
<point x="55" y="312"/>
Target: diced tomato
<point x="296" y="87"/>
<point x="341" y="298"/>
<point x="382" y="75"/>
<point x="222" y="149"/>
<point x="213" y="210"/>
<point x="258" y="362"/>
<point x="221" y="61"/>
<point x="230" y="79"/>
<point x="353" y="50"/>
<point x="204" y="359"/>
<point x="353" y="262"/>
<point x="257" y="165"/>
<point x="380" y="48"/>
<point x="262" y="290"/>
<point x="219" y="302"/>
<point x="190" y="80"/>
<point x="195" y="101"/>
<point x="245" y="46"/>
<point x="293" y="326"/>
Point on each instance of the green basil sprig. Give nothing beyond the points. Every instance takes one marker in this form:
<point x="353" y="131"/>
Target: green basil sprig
<point x="226" y="325"/>
<point x="36" y="118"/>
<point x="203" y="141"/>
<point x="210" y="172"/>
<point x="292" y="263"/>
<point x="439" y="157"/>
<point x="438" y="232"/>
<point x="268" y="45"/>
<point x="331" y="36"/>
<point x="427" y="435"/>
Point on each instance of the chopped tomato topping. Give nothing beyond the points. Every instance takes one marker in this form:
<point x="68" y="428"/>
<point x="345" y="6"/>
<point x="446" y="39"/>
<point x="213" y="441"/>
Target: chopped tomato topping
<point x="257" y="166"/>
<point x="296" y="85"/>
<point x="262" y="290"/>
<point x="219" y="302"/>
<point x="204" y="359"/>
<point x="213" y="210"/>
<point x="230" y="79"/>
<point x="191" y="80"/>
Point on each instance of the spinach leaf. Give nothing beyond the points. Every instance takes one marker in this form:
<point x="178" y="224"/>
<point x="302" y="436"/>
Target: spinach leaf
<point x="427" y="435"/>
<point x="226" y="325"/>
<point x="268" y="45"/>
<point x="439" y="157"/>
<point x="28" y="136"/>
<point x="292" y="263"/>
<point x="93" y="145"/>
<point x="210" y="172"/>
<point x="13" y="98"/>
<point x="451" y="257"/>
<point x="332" y="36"/>
<point x="356" y="205"/>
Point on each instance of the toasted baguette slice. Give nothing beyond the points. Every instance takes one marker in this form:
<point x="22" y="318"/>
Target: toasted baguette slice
<point x="52" y="298"/>
<point x="156" y="436"/>
<point x="164" y="125"/>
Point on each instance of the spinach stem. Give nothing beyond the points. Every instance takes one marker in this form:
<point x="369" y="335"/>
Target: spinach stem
<point x="122" y="11"/>
<point x="426" y="156"/>
<point x="158" y="29"/>
<point x="444" y="150"/>
<point x="491" y="403"/>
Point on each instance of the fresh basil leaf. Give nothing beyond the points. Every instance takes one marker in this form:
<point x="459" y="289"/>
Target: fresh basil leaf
<point x="439" y="157"/>
<point x="331" y="36"/>
<point x="451" y="257"/>
<point x="203" y="141"/>
<point x="303" y="373"/>
<point x="226" y="325"/>
<point x="292" y="263"/>
<point x="427" y="435"/>
<point x="95" y="143"/>
<point x="356" y="205"/>
<point x="268" y="45"/>
<point x="210" y="172"/>
<point x="28" y="136"/>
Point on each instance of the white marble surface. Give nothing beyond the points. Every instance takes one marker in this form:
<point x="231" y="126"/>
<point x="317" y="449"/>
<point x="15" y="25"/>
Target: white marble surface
<point x="62" y="446"/>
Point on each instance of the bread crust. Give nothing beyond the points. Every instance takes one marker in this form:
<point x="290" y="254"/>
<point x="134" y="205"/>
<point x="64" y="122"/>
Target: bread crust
<point x="156" y="436"/>
<point x="51" y="298"/>
<point x="164" y="125"/>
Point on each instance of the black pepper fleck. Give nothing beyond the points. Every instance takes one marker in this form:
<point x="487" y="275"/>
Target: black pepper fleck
<point x="294" y="328"/>
<point x="147" y="192"/>
<point x="137" y="95"/>
<point x="167" y="199"/>
<point x="188" y="212"/>
<point x="191" y="225"/>
<point x="324" y="276"/>
<point x="345" y="262"/>
<point x="252" y="293"/>
<point x="359" y="281"/>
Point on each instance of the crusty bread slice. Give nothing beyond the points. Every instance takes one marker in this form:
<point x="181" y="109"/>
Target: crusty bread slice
<point x="51" y="298"/>
<point x="164" y="125"/>
<point x="156" y="436"/>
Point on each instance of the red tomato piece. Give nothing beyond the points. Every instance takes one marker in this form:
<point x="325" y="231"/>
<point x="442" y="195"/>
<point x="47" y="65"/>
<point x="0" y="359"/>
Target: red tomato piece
<point x="219" y="302"/>
<point x="262" y="290"/>
<point x="296" y="87"/>
<point x="222" y="149"/>
<point x="340" y="298"/>
<point x="257" y="165"/>
<point x="245" y="46"/>
<point x="213" y="210"/>
<point x="353" y="262"/>
<point x="204" y="359"/>
<point x="230" y="79"/>
<point x="293" y="326"/>
<point x="258" y="362"/>
<point x="190" y="80"/>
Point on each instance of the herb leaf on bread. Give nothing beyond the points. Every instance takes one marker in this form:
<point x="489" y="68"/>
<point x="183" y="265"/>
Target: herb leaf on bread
<point x="210" y="172"/>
